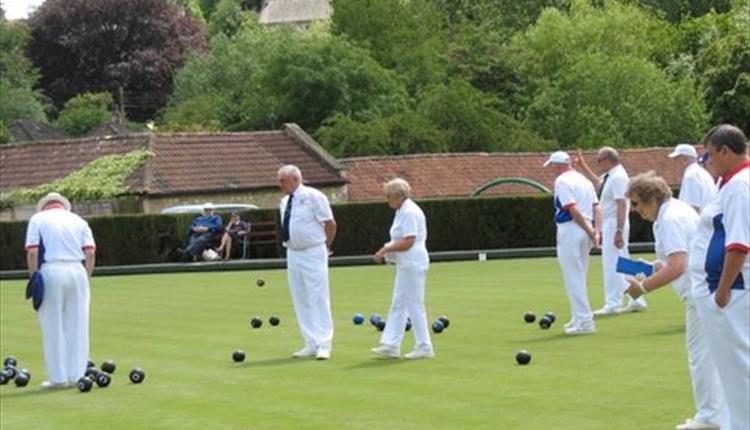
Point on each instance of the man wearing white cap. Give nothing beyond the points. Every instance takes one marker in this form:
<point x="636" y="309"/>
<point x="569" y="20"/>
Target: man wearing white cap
<point x="579" y="219"/>
<point x="698" y="187"/>
<point x="57" y="242"/>
<point x="308" y="230"/>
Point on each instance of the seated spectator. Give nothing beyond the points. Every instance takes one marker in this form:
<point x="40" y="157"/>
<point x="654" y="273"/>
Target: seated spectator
<point x="236" y="231"/>
<point x="203" y="232"/>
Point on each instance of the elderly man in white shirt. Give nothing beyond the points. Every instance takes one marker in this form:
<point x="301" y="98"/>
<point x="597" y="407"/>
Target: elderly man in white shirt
<point x="579" y="219"/>
<point x="308" y="231"/>
<point x="697" y="187"/>
<point x="613" y="187"/>
<point x="407" y="249"/>
<point x="57" y="243"/>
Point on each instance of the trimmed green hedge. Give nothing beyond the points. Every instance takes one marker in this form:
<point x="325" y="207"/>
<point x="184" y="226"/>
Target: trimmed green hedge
<point x="459" y="224"/>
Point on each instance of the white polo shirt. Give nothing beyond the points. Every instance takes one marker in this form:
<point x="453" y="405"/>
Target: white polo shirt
<point x="615" y="189"/>
<point x="731" y="227"/>
<point x="675" y="224"/>
<point x="698" y="187"/>
<point x="409" y="221"/>
<point x="60" y="235"/>
<point x="705" y="236"/>
<point x="572" y="188"/>
<point x="310" y="209"/>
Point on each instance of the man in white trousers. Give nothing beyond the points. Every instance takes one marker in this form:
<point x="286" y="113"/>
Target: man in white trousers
<point x="57" y="242"/>
<point x="697" y="187"/>
<point x="578" y="218"/>
<point x="724" y="298"/>
<point x="612" y="186"/>
<point x="308" y="230"/>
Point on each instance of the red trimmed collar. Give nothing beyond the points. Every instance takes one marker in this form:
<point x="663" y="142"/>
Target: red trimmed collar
<point x="738" y="169"/>
<point x="53" y="205"/>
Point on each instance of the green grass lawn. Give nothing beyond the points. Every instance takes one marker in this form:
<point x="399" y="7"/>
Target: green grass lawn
<point x="182" y="328"/>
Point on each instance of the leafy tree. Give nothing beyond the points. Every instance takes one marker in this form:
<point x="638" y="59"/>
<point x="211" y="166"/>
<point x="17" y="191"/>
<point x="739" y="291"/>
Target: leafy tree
<point x="18" y="98"/>
<point x="616" y="29"/>
<point x="261" y="78"/>
<point x="228" y="17"/>
<point x="622" y="100"/>
<point x="676" y="10"/>
<point x="471" y="123"/>
<point x="405" y="36"/>
<point x="714" y="49"/>
<point x="84" y="112"/>
<point x="93" y="46"/>
<point x="402" y="133"/>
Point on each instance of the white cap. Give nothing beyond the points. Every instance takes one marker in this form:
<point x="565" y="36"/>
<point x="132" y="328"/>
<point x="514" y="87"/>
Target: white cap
<point x="208" y="205"/>
<point x="559" y="157"/>
<point x="53" y="197"/>
<point x="685" y="149"/>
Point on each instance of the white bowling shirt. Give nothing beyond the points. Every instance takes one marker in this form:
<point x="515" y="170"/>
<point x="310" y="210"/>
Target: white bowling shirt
<point x="675" y="224"/>
<point x="615" y="189"/>
<point x="572" y="188"/>
<point x="60" y="235"/>
<point x="409" y="221"/>
<point x="698" y="187"/>
<point x="310" y="209"/>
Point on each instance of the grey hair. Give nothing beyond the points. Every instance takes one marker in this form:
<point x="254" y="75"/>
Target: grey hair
<point x="290" y="170"/>
<point x="649" y="187"/>
<point x="397" y="187"/>
<point x="610" y="153"/>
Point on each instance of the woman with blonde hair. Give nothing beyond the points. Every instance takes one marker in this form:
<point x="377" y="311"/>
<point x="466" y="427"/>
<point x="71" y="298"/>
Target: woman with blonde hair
<point x="408" y="251"/>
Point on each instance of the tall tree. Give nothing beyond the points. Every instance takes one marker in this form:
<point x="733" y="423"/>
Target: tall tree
<point x="103" y="45"/>
<point x="18" y="98"/>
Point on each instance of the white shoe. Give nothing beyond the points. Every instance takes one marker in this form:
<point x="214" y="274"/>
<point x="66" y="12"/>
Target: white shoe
<point x="323" y="354"/>
<point x="305" y="352"/>
<point x="581" y="329"/>
<point x="422" y="351"/>
<point x="692" y="424"/>
<point x="633" y="306"/>
<point x="606" y="311"/>
<point x="386" y="351"/>
<point x="569" y="324"/>
<point x="49" y="385"/>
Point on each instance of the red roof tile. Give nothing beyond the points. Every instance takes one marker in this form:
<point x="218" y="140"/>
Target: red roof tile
<point x="183" y="162"/>
<point x="458" y="175"/>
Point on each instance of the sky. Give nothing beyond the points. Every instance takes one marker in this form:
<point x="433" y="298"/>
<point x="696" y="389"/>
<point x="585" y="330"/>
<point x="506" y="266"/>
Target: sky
<point x="16" y="9"/>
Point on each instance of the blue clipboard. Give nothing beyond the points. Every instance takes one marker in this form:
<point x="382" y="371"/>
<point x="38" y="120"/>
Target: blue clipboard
<point x="634" y="267"/>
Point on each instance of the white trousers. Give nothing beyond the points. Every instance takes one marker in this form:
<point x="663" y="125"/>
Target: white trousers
<point x="64" y="319"/>
<point x="728" y="332"/>
<point x="614" y="283"/>
<point x="407" y="302"/>
<point x="573" y="247"/>
<point x="307" y="273"/>
<point x="709" y="399"/>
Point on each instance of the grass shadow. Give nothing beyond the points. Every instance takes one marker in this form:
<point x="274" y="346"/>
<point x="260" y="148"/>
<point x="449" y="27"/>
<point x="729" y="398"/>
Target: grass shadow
<point x="551" y="338"/>
<point x="279" y="361"/>
<point x="668" y="331"/>
<point x="377" y="362"/>
<point x="26" y="392"/>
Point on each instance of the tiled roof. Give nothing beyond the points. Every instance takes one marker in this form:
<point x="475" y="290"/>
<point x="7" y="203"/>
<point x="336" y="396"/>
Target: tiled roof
<point x="294" y="11"/>
<point x="25" y="130"/>
<point x="182" y="162"/>
<point x="458" y="175"/>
